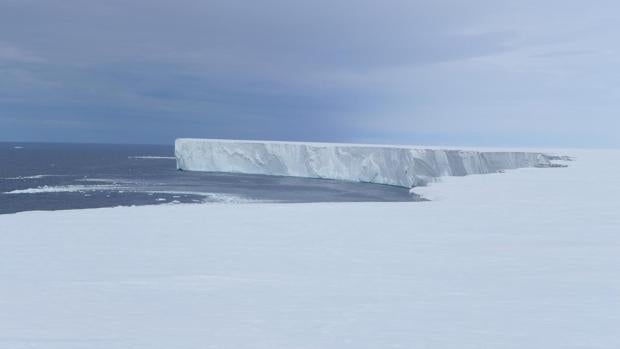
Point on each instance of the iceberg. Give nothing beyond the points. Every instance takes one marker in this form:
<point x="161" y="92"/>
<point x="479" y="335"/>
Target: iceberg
<point x="403" y="166"/>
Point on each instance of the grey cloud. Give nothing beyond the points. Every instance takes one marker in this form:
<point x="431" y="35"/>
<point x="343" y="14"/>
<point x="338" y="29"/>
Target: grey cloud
<point x="10" y="53"/>
<point x="452" y="71"/>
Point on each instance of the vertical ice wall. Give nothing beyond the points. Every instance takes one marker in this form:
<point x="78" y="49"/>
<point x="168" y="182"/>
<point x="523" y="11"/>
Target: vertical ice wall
<point x="402" y="166"/>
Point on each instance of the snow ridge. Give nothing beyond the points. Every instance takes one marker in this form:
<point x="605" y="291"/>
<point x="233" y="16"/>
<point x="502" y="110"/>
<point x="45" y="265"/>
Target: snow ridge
<point x="391" y="165"/>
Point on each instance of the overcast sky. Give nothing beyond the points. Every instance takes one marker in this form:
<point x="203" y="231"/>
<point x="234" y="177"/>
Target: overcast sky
<point x="477" y="72"/>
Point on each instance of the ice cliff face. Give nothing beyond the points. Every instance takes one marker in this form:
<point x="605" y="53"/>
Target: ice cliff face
<point x="401" y="166"/>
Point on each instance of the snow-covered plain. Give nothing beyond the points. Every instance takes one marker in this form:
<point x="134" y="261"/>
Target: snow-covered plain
<point x="524" y="259"/>
<point x="404" y="166"/>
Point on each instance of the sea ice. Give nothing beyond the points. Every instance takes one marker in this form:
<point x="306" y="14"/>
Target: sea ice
<point x="533" y="267"/>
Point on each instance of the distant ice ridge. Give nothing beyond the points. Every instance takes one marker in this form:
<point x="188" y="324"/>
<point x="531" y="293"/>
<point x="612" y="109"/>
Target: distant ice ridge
<point x="393" y="165"/>
<point x="150" y="157"/>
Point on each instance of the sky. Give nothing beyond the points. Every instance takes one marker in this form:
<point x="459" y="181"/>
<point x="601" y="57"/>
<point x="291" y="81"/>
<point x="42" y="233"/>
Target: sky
<point x="478" y="72"/>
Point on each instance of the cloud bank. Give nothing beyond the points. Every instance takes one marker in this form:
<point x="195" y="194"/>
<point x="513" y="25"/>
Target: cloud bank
<point x="441" y="72"/>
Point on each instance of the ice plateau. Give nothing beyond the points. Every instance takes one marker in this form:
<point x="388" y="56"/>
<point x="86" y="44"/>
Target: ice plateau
<point x="393" y="165"/>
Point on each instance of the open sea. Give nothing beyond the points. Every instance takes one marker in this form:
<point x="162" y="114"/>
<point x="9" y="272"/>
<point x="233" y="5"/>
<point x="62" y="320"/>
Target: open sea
<point x="55" y="176"/>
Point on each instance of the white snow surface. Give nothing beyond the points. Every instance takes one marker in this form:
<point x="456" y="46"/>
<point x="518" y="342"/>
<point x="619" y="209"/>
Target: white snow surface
<point x="393" y="165"/>
<point x="524" y="259"/>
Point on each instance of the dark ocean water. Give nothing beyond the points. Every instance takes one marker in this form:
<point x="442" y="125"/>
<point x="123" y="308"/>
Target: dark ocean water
<point x="53" y="176"/>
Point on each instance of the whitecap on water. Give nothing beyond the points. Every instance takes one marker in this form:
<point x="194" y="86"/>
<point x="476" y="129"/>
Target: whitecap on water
<point x="62" y="189"/>
<point x="39" y="176"/>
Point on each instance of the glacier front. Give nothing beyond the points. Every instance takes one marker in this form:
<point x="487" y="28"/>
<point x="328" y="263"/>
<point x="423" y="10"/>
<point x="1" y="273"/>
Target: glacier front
<point x="392" y="165"/>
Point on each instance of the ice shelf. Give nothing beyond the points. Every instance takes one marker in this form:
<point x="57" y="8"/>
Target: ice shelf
<point x="392" y="165"/>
